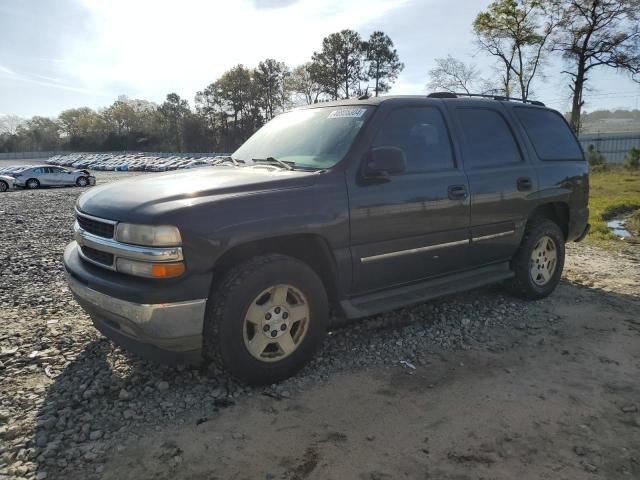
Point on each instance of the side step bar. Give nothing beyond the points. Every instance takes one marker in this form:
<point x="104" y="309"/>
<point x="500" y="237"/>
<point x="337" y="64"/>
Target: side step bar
<point x="407" y="295"/>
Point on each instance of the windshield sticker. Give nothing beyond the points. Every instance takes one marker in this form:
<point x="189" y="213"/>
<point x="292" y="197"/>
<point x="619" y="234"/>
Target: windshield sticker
<point x="347" y="113"/>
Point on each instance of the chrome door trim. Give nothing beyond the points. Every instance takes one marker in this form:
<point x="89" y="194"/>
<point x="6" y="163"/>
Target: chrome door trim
<point x="493" y="235"/>
<point x="411" y="251"/>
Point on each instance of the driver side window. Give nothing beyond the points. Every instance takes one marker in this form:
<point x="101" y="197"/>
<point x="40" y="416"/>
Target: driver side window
<point x="420" y="132"/>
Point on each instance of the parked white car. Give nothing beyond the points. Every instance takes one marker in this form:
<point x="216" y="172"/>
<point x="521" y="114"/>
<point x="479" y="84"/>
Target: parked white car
<point x="6" y="183"/>
<point x="48" y="176"/>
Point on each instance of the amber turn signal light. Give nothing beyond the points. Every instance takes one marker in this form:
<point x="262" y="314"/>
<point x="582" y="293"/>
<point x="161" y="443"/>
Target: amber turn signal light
<point x="167" y="270"/>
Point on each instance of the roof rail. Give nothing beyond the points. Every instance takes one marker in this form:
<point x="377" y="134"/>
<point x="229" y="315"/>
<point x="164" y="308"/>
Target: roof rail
<point x="481" y="95"/>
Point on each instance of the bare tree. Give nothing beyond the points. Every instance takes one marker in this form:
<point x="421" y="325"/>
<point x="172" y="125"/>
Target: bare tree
<point x="517" y="33"/>
<point x="454" y="75"/>
<point x="302" y="84"/>
<point x="9" y="124"/>
<point x="597" y="33"/>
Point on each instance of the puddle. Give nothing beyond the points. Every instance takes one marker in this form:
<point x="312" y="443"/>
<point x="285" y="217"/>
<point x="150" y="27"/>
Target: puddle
<point x="618" y="228"/>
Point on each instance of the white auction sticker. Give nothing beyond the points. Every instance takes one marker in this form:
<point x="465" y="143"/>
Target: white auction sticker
<point x="347" y="113"/>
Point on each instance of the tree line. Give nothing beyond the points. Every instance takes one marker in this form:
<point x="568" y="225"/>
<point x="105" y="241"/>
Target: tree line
<point x="224" y="113"/>
<point x="522" y="35"/>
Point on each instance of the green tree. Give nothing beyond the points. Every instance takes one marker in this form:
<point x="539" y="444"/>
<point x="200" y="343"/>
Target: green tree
<point x="384" y="62"/>
<point x="83" y="128"/>
<point x="517" y="34"/>
<point x="594" y="34"/>
<point x="633" y="158"/>
<point x="39" y="133"/>
<point x="270" y="82"/>
<point x="594" y="157"/>
<point x="173" y="112"/>
<point x="302" y="84"/>
<point x="339" y="66"/>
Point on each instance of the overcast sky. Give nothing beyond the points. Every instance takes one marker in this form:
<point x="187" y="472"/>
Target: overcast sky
<point x="69" y="53"/>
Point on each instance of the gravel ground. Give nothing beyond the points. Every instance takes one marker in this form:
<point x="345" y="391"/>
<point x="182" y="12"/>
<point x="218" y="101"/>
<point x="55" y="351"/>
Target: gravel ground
<point x="70" y="400"/>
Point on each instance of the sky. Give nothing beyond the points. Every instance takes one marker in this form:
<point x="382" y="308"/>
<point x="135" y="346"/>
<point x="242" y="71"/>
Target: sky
<point x="62" y="54"/>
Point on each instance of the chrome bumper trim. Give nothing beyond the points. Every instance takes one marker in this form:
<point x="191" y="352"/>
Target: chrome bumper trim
<point x="162" y="321"/>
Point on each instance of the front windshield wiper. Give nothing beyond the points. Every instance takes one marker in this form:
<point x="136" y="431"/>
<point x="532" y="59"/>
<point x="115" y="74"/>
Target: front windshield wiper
<point x="286" y="165"/>
<point x="228" y="158"/>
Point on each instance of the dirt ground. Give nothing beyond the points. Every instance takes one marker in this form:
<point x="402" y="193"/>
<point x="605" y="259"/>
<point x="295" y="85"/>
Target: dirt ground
<point x="556" y="403"/>
<point x="540" y="390"/>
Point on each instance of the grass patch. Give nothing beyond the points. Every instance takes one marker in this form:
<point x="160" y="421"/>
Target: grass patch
<point x="614" y="192"/>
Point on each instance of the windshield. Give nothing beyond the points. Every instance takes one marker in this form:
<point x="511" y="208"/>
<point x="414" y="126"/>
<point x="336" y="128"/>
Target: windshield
<point x="314" y="138"/>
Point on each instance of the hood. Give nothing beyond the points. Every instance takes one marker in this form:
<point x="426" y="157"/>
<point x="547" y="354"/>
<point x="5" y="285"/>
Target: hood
<point x="142" y="197"/>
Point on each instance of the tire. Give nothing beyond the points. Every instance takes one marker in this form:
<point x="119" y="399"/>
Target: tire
<point x="32" y="184"/>
<point x="82" y="182"/>
<point x="534" y="279"/>
<point x="4" y="186"/>
<point x="233" y="342"/>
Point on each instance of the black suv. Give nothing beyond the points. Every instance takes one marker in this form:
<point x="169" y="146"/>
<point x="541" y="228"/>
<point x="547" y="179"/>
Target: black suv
<point x="355" y="207"/>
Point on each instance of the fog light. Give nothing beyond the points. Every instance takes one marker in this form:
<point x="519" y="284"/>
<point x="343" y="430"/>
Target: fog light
<point x="150" y="270"/>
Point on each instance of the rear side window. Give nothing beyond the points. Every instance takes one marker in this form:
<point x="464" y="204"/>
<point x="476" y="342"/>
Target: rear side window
<point x="549" y="134"/>
<point x="488" y="138"/>
<point x="423" y="136"/>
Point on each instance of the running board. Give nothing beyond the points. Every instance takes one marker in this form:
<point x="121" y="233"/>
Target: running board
<point x="407" y="295"/>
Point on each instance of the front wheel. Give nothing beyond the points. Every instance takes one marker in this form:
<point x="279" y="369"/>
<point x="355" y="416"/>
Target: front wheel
<point x="266" y="319"/>
<point x="4" y="186"/>
<point x="32" y="184"/>
<point x="539" y="261"/>
<point x="82" y="182"/>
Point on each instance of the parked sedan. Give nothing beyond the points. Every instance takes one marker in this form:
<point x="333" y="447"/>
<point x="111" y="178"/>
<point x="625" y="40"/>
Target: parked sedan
<point x="6" y="183"/>
<point x="48" y="176"/>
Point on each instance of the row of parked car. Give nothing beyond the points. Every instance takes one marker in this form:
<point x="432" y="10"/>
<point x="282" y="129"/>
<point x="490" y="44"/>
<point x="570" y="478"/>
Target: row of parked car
<point x="127" y="162"/>
<point x="36" y="176"/>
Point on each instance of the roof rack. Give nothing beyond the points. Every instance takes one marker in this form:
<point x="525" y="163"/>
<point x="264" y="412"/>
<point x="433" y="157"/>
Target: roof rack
<point x="480" y="95"/>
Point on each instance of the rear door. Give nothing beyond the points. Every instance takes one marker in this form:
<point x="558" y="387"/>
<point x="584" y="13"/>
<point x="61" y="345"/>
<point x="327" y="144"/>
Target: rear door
<point x="501" y="180"/>
<point x="415" y="225"/>
<point x="43" y="176"/>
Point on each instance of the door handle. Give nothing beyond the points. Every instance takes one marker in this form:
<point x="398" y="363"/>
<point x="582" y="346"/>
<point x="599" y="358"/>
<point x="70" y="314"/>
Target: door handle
<point x="457" y="192"/>
<point x="524" y="183"/>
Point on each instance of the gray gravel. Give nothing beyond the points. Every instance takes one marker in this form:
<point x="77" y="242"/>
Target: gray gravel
<point x="67" y="395"/>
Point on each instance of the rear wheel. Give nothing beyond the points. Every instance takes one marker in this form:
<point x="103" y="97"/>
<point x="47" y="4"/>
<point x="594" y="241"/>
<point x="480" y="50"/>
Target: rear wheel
<point x="266" y="319"/>
<point x="4" y="186"/>
<point x="32" y="184"/>
<point x="539" y="261"/>
<point x="82" y="182"/>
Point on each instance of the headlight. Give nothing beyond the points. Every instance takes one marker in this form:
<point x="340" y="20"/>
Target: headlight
<point x="148" y="235"/>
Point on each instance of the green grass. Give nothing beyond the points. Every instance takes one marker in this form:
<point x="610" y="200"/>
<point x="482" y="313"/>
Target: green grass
<point x="614" y="192"/>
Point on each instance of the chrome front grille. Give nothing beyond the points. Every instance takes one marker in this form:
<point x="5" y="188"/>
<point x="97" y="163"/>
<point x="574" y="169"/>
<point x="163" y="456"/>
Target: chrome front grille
<point x="96" y="226"/>
<point x="103" y="258"/>
<point x="97" y="246"/>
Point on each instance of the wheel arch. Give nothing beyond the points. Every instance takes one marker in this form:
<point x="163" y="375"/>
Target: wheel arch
<point x="311" y="249"/>
<point x="557" y="212"/>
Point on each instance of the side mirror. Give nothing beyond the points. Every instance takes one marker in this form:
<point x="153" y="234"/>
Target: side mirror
<point x="386" y="161"/>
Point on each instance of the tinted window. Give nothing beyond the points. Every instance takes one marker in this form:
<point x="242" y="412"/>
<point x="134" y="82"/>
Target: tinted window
<point x="38" y="170"/>
<point x="488" y="139"/>
<point x="421" y="134"/>
<point x="549" y="134"/>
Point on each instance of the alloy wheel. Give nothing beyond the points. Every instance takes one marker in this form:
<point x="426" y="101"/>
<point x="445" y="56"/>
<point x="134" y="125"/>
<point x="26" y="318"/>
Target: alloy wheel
<point x="276" y="323"/>
<point x="544" y="258"/>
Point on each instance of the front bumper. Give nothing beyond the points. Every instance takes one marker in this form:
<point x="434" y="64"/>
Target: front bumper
<point x="164" y="332"/>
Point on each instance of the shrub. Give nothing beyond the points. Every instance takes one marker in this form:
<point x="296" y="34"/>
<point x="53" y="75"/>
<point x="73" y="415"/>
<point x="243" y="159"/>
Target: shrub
<point x="633" y="158"/>
<point x="594" y="157"/>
